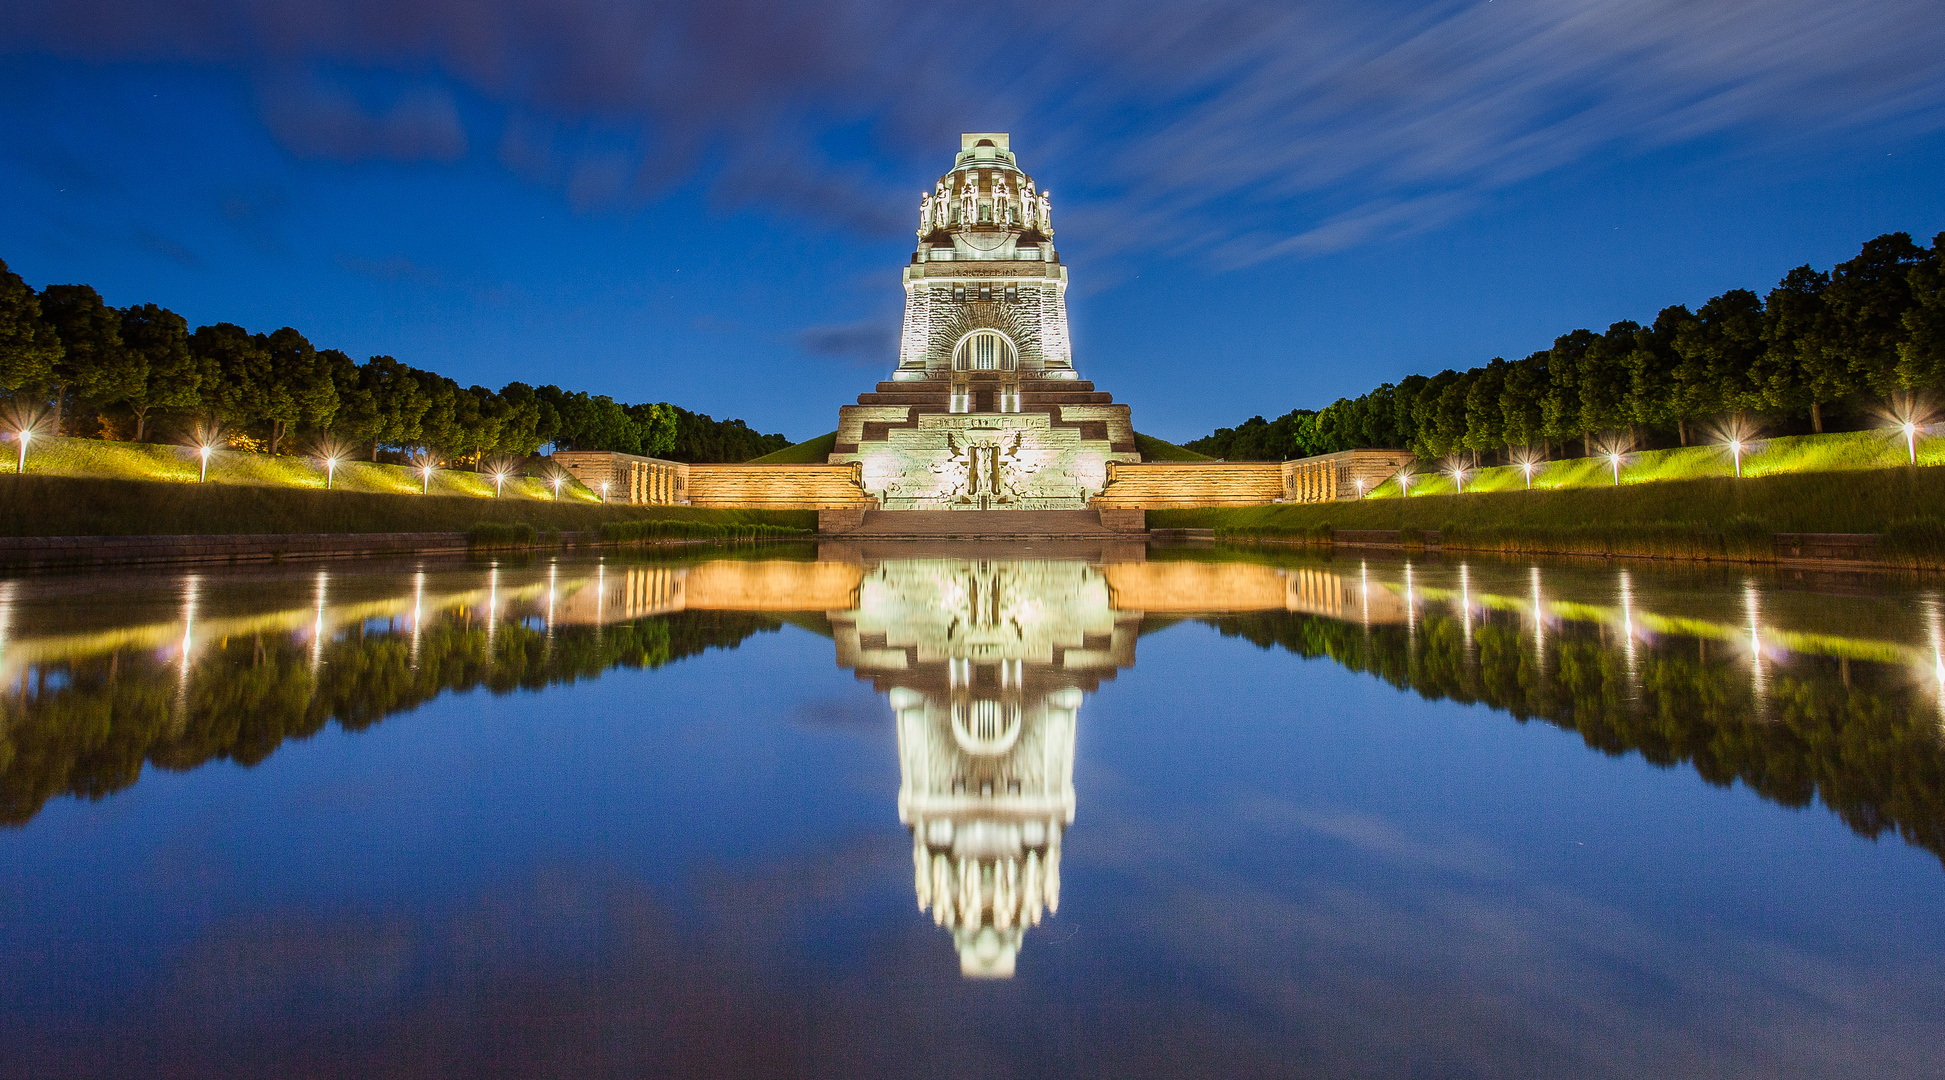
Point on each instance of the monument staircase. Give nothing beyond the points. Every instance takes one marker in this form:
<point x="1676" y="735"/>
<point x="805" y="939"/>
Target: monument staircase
<point x="984" y="525"/>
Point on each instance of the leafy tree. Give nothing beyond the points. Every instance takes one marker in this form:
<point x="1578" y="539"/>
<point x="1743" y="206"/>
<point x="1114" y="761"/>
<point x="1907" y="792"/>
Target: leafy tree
<point x="1560" y="408"/>
<point x="1867" y="299"/>
<point x="1921" y="356"/>
<point x="1485" y="420"/>
<point x="1795" y="371"/>
<point x="300" y="387"/>
<point x="658" y="426"/>
<point x="1720" y="349"/>
<point x="236" y="374"/>
<point x="29" y="345"/>
<point x="1606" y="378"/>
<point x="520" y="431"/>
<point x="94" y="365"/>
<point x="1651" y="372"/>
<point x="172" y="377"/>
<point x="1522" y="399"/>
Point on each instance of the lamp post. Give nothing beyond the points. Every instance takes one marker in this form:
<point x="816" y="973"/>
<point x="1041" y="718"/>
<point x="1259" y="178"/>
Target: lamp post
<point x="557" y="489"/>
<point x="206" y="448"/>
<point x="425" y="471"/>
<point x="1614" y="459"/>
<point x="1527" y="468"/>
<point x="1360" y="487"/>
<point x="330" y="472"/>
<point x="1404" y="485"/>
<point x="26" y="435"/>
<point x="499" y="483"/>
<point x="1735" y="447"/>
<point x="1910" y="442"/>
<point x="604" y="491"/>
<point x="1459" y="479"/>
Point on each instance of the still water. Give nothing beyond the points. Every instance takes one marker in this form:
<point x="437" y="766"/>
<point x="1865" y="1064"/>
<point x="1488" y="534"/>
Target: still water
<point x="960" y="811"/>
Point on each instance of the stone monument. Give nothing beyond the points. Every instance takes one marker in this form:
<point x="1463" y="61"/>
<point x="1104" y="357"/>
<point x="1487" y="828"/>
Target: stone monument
<point x="985" y="410"/>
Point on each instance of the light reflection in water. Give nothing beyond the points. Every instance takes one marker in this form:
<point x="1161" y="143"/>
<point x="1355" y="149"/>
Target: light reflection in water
<point x="985" y="665"/>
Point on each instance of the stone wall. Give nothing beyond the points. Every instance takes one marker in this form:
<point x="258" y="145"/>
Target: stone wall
<point x="777" y="487"/>
<point x="630" y="478"/>
<point x="1344" y="475"/>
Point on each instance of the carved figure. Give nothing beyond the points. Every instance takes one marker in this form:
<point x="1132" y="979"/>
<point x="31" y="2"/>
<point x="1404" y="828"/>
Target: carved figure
<point x="940" y="205"/>
<point x="1029" y="209"/>
<point x="924" y="214"/>
<point x="1002" y="206"/>
<point x="1047" y="212"/>
<point x="969" y="201"/>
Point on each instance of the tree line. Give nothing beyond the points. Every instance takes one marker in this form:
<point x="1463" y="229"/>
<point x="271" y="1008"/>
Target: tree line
<point x="1822" y="348"/>
<point x="87" y="727"/>
<point x="1860" y="737"/>
<point x="70" y="363"/>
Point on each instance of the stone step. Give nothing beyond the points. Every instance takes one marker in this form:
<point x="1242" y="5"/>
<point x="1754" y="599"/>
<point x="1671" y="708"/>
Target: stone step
<point x="980" y="524"/>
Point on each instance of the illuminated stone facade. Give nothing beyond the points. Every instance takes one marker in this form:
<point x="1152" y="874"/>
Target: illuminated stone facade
<point x="985" y="663"/>
<point x="985" y="409"/>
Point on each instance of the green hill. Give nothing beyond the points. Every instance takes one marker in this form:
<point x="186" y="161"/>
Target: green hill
<point x="809" y="452"/>
<point x="1153" y="449"/>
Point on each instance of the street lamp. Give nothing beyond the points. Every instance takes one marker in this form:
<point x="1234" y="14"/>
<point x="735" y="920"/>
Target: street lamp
<point x="604" y="491"/>
<point x="425" y="471"/>
<point x="26" y="434"/>
<point x="1735" y="447"/>
<point x="1527" y="468"/>
<point x="499" y="482"/>
<point x="205" y="449"/>
<point x="1360" y="487"/>
<point x="330" y="471"/>
<point x="1459" y="478"/>
<point x="557" y="489"/>
<point x="1910" y="442"/>
<point x="1614" y="459"/>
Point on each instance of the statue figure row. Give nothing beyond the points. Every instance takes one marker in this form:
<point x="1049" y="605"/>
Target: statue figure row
<point x="1031" y="209"/>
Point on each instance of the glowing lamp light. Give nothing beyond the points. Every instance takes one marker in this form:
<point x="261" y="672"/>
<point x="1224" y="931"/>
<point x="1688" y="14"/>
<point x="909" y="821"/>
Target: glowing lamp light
<point x="499" y="482"/>
<point x="330" y="472"/>
<point x="557" y="489"/>
<point x="1459" y="480"/>
<point x="1614" y="459"/>
<point x="1360" y="487"/>
<point x="1735" y="447"/>
<point x="604" y="491"/>
<point x="26" y="436"/>
<point x="1404" y="484"/>
<point x="205" y="449"/>
<point x="1527" y="468"/>
<point x="1910" y="441"/>
<point x="425" y="471"/>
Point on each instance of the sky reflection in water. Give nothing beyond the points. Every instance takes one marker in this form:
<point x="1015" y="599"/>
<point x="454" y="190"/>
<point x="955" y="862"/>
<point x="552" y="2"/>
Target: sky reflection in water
<point x="674" y="838"/>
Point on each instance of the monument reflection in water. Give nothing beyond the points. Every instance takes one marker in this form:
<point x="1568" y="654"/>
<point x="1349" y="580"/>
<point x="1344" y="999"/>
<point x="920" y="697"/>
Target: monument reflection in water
<point x="1835" y="695"/>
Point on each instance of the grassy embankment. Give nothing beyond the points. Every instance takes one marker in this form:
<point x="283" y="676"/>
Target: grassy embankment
<point x="95" y="458"/>
<point x="81" y="487"/>
<point x="809" y="452"/>
<point x="1153" y="449"/>
<point x="1709" y="517"/>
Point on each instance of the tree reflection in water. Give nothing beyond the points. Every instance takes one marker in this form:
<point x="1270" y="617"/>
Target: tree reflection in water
<point x="1801" y="695"/>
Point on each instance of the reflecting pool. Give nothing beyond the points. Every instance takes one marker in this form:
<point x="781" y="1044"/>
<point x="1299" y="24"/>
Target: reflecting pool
<point x="1032" y="810"/>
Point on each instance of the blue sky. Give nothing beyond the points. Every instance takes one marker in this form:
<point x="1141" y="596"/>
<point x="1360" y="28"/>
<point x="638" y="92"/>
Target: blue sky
<point x="1263" y="206"/>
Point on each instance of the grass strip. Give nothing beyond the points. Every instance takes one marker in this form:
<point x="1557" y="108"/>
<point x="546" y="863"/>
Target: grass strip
<point x="40" y="505"/>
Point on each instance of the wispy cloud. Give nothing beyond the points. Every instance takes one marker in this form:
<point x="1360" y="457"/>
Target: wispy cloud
<point x="1239" y="129"/>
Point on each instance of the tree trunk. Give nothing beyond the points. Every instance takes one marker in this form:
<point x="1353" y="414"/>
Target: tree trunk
<point x="141" y="422"/>
<point x="276" y="435"/>
<point x="374" y="449"/>
<point x="1586" y="444"/>
<point x="1816" y="417"/>
<point x="1681" y="428"/>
